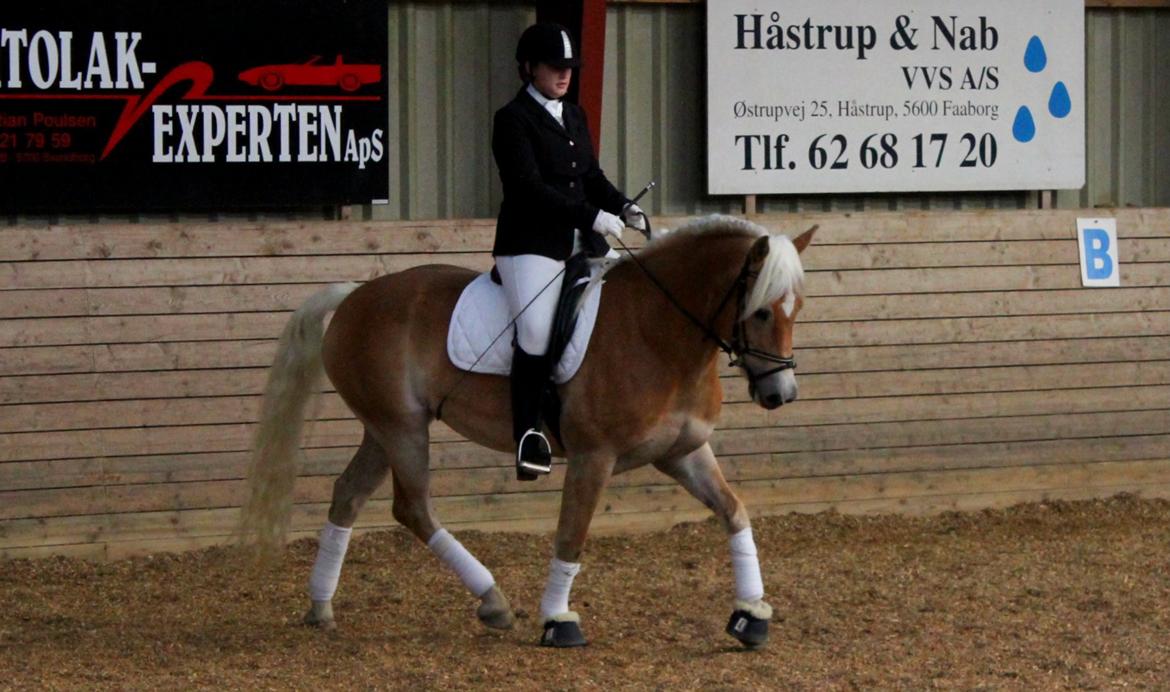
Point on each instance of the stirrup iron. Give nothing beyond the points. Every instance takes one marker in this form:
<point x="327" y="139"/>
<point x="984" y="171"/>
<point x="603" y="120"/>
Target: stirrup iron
<point x="533" y="456"/>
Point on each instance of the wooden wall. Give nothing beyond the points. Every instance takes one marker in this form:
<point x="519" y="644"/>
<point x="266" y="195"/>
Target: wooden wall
<point x="947" y="360"/>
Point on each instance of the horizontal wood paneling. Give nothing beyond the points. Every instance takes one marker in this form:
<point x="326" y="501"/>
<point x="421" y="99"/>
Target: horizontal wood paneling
<point x="947" y="360"/>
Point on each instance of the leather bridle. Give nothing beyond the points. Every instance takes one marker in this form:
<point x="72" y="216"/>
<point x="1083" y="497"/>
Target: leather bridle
<point x="738" y="347"/>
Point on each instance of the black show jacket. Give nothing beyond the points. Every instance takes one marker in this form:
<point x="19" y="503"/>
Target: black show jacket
<point x="552" y="181"/>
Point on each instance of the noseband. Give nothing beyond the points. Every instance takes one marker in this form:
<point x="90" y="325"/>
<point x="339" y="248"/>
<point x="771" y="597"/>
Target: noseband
<point x="738" y="347"/>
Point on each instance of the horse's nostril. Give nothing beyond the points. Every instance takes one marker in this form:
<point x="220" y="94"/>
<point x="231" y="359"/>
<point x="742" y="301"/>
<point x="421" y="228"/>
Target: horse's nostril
<point x="772" y="400"/>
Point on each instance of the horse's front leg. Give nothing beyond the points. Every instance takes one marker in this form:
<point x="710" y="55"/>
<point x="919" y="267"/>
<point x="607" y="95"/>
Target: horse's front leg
<point x="585" y="481"/>
<point x="699" y="473"/>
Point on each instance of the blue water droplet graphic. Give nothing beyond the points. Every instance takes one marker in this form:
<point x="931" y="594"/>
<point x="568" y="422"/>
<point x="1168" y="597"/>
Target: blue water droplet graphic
<point x="1024" y="128"/>
<point x="1059" y="104"/>
<point x="1035" y="59"/>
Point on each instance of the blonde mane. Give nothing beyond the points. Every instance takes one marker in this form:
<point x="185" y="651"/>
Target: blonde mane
<point x="782" y="275"/>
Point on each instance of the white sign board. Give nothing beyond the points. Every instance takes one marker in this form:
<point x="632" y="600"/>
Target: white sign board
<point x="907" y="95"/>
<point x="1100" y="261"/>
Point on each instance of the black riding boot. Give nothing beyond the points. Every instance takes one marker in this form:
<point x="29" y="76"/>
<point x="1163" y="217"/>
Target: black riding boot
<point x="529" y="378"/>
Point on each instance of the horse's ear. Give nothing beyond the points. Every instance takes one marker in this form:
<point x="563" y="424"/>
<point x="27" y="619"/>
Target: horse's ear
<point x="805" y="238"/>
<point x="759" y="250"/>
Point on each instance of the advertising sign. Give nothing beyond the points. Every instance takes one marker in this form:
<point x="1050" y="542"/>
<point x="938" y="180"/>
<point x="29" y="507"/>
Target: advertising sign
<point x="208" y="104"/>
<point x="907" y="95"/>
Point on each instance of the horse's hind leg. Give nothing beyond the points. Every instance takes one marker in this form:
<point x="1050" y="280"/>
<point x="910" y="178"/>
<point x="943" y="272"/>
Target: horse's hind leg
<point x="365" y="473"/>
<point x="699" y="473"/>
<point x="414" y="510"/>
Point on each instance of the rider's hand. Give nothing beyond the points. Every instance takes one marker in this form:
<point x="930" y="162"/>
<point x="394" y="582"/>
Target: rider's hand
<point x="634" y="217"/>
<point x="609" y="224"/>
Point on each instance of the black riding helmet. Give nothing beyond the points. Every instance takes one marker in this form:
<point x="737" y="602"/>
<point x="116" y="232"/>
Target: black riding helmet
<point x="548" y="43"/>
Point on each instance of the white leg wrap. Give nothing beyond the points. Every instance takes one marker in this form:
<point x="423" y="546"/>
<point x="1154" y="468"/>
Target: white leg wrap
<point x="556" y="592"/>
<point x="749" y="586"/>
<point x="471" y="571"/>
<point x="331" y="547"/>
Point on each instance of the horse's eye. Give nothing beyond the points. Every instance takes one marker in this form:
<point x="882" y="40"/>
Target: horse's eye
<point x="763" y="314"/>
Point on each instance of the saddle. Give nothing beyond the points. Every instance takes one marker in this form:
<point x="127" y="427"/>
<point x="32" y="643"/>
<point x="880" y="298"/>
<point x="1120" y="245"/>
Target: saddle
<point x="481" y="314"/>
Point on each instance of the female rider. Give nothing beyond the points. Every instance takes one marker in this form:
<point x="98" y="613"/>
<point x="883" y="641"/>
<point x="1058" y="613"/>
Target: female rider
<point x="557" y="201"/>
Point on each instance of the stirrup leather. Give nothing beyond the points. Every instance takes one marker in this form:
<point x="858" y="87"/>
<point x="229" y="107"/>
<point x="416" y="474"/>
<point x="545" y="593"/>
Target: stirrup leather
<point x="537" y="458"/>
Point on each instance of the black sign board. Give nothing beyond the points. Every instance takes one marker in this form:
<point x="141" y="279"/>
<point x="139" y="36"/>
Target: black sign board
<point x="192" y="105"/>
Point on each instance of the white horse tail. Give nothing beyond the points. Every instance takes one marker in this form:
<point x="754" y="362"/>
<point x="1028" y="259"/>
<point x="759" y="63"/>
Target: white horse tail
<point x="293" y="380"/>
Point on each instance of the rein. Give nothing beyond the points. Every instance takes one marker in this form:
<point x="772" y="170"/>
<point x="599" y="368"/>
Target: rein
<point x="738" y="347"/>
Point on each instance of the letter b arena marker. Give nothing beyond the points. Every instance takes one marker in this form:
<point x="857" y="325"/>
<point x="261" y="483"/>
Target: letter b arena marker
<point x="1097" y="241"/>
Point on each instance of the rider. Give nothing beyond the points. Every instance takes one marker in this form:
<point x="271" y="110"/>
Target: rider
<point x="557" y="201"/>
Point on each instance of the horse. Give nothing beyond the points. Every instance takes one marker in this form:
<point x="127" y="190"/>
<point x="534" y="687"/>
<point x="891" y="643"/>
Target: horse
<point x="647" y="392"/>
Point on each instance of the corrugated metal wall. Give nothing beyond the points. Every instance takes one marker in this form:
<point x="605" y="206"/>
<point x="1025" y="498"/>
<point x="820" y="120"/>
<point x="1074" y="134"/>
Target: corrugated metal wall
<point x="1127" y="68"/>
<point x="452" y="66"/>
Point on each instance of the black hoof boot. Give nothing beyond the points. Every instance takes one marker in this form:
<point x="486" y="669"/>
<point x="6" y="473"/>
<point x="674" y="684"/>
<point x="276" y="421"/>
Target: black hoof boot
<point x="533" y="456"/>
<point x="749" y="623"/>
<point x="563" y="632"/>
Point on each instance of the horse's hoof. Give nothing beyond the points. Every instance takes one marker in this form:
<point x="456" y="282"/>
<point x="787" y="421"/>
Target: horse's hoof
<point x="320" y="615"/>
<point x="749" y="623"/>
<point x="492" y="616"/>
<point x="496" y="611"/>
<point x="563" y="631"/>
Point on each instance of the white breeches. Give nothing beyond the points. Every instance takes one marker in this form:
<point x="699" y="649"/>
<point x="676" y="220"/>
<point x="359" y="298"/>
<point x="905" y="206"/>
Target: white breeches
<point x="523" y="277"/>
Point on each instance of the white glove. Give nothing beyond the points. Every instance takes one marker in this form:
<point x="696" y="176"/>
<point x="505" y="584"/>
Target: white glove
<point x="634" y="217"/>
<point x="609" y="224"/>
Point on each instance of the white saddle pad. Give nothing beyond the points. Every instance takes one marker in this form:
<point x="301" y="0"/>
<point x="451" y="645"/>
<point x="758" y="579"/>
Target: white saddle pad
<point x="482" y="313"/>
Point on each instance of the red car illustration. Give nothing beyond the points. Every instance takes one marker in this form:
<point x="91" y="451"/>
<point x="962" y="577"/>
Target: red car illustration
<point x="311" y="73"/>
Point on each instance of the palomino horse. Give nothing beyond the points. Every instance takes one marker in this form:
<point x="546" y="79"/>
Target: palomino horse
<point x="648" y="392"/>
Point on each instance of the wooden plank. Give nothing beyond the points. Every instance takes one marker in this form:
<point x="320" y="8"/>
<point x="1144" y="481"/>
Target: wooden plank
<point x="154" y="300"/>
<point x="250" y="381"/>
<point x="958" y="279"/>
<point x="807" y="411"/>
<point x="218" y="328"/>
<point x="945" y="253"/>
<point x="908" y="226"/>
<point x="137" y="413"/>
<point x="610" y="524"/>
<point x="938" y="258"/>
<point x="235" y="239"/>
<point x="184" y="466"/>
<point x="981" y="329"/>
<point x="203" y="355"/>
<point x="202" y="271"/>
<point x="136" y="357"/>
<point x="461" y="468"/>
<point x="65" y="331"/>
<point x="982" y="304"/>
<point x="329" y="461"/>
<point x="961" y="381"/>
<point x="284" y="298"/>
<point x="105" y="386"/>
<point x="161" y="440"/>
<point x="497" y="479"/>
<point x="762" y="496"/>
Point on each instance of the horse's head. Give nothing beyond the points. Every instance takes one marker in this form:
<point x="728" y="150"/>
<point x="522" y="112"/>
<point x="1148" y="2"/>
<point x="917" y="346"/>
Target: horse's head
<point x="771" y="299"/>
